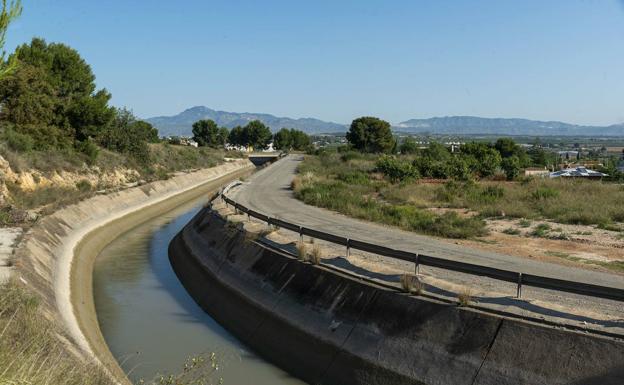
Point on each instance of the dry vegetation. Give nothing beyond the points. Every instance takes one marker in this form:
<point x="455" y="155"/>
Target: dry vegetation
<point x="50" y="179"/>
<point x="411" y="284"/>
<point x="31" y="352"/>
<point x="464" y="298"/>
<point x="349" y="183"/>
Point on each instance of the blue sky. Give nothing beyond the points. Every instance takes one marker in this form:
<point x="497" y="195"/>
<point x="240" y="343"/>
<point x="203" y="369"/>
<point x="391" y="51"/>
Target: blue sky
<point x="336" y="60"/>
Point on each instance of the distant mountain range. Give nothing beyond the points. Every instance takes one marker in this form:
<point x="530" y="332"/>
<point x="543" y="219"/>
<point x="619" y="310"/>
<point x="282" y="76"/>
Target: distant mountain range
<point x="181" y="124"/>
<point x="468" y="125"/>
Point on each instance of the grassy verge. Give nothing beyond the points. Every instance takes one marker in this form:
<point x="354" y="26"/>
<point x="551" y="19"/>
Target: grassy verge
<point x="108" y="171"/>
<point x="31" y="352"/>
<point x="347" y="186"/>
<point x="351" y="184"/>
<point x="564" y="201"/>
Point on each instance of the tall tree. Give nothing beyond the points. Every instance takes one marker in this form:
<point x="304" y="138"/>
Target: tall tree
<point x="10" y="12"/>
<point x="282" y="139"/>
<point x="370" y="134"/>
<point x="236" y="136"/>
<point x="224" y="133"/>
<point x="257" y="135"/>
<point x="299" y="140"/>
<point x="55" y="80"/>
<point x="409" y="146"/>
<point x="206" y="133"/>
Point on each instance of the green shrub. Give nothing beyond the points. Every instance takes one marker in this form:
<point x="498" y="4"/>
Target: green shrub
<point x="541" y="230"/>
<point x="19" y="142"/>
<point x="90" y="149"/>
<point x="83" y="185"/>
<point x="610" y="227"/>
<point x="512" y="231"/>
<point x="397" y="170"/>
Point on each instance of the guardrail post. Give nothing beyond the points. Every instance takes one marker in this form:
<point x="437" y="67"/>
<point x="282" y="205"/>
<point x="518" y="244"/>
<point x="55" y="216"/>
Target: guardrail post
<point x="519" y="289"/>
<point x="348" y="249"/>
<point x="300" y="234"/>
<point x="416" y="265"/>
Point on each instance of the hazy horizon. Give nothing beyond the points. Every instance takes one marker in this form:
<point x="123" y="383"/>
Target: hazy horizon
<point x="381" y="117"/>
<point x="555" y="61"/>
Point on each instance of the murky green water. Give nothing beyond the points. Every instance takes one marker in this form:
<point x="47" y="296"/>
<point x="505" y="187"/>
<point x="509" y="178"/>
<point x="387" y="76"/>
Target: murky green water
<point x="149" y="321"/>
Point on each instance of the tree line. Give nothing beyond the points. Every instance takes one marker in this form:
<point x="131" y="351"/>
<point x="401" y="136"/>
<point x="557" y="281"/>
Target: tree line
<point x="474" y="159"/>
<point x="49" y="100"/>
<point x="254" y="134"/>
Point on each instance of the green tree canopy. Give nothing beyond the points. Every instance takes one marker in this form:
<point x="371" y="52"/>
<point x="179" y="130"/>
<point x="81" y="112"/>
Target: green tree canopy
<point x="409" y="146"/>
<point x="437" y="151"/>
<point x="370" y="134"/>
<point x="53" y="88"/>
<point x="300" y="140"/>
<point x="507" y="147"/>
<point x="486" y="160"/>
<point x="282" y="139"/>
<point x="286" y="139"/>
<point x="207" y="133"/>
<point x="9" y="13"/>
<point x="224" y="133"/>
<point x="127" y="134"/>
<point x="257" y="135"/>
<point x="26" y="98"/>
<point x="237" y="136"/>
<point x="511" y="166"/>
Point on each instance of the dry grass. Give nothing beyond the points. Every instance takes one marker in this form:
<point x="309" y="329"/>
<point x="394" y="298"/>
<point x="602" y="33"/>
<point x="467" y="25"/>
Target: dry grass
<point x="302" y="251"/>
<point x="411" y="284"/>
<point x="558" y="200"/>
<point x="30" y="352"/>
<point x="350" y="186"/>
<point x="316" y="255"/>
<point x="464" y="298"/>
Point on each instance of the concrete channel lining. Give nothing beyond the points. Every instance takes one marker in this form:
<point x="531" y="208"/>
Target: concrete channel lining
<point x="56" y="256"/>
<point x="330" y="328"/>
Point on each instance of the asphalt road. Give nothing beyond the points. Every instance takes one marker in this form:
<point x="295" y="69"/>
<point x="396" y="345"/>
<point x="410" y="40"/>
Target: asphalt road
<point x="268" y="191"/>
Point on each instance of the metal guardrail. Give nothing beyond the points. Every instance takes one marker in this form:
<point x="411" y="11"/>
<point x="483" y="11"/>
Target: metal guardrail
<point x="518" y="278"/>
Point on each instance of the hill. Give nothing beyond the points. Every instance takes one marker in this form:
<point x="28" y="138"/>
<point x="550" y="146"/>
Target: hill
<point x="468" y="125"/>
<point x="181" y="124"/>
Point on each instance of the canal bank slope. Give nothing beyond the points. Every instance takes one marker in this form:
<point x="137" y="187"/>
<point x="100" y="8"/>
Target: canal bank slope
<point x="56" y="256"/>
<point x="330" y="328"/>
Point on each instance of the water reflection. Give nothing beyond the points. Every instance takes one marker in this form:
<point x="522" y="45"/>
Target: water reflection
<point x="149" y="321"/>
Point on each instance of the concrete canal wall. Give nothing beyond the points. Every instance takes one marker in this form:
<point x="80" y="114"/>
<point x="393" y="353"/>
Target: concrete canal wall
<point x="56" y="256"/>
<point x="329" y="328"/>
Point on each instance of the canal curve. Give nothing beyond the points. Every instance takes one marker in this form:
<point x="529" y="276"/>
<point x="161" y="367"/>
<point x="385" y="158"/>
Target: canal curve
<point x="148" y="320"/>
